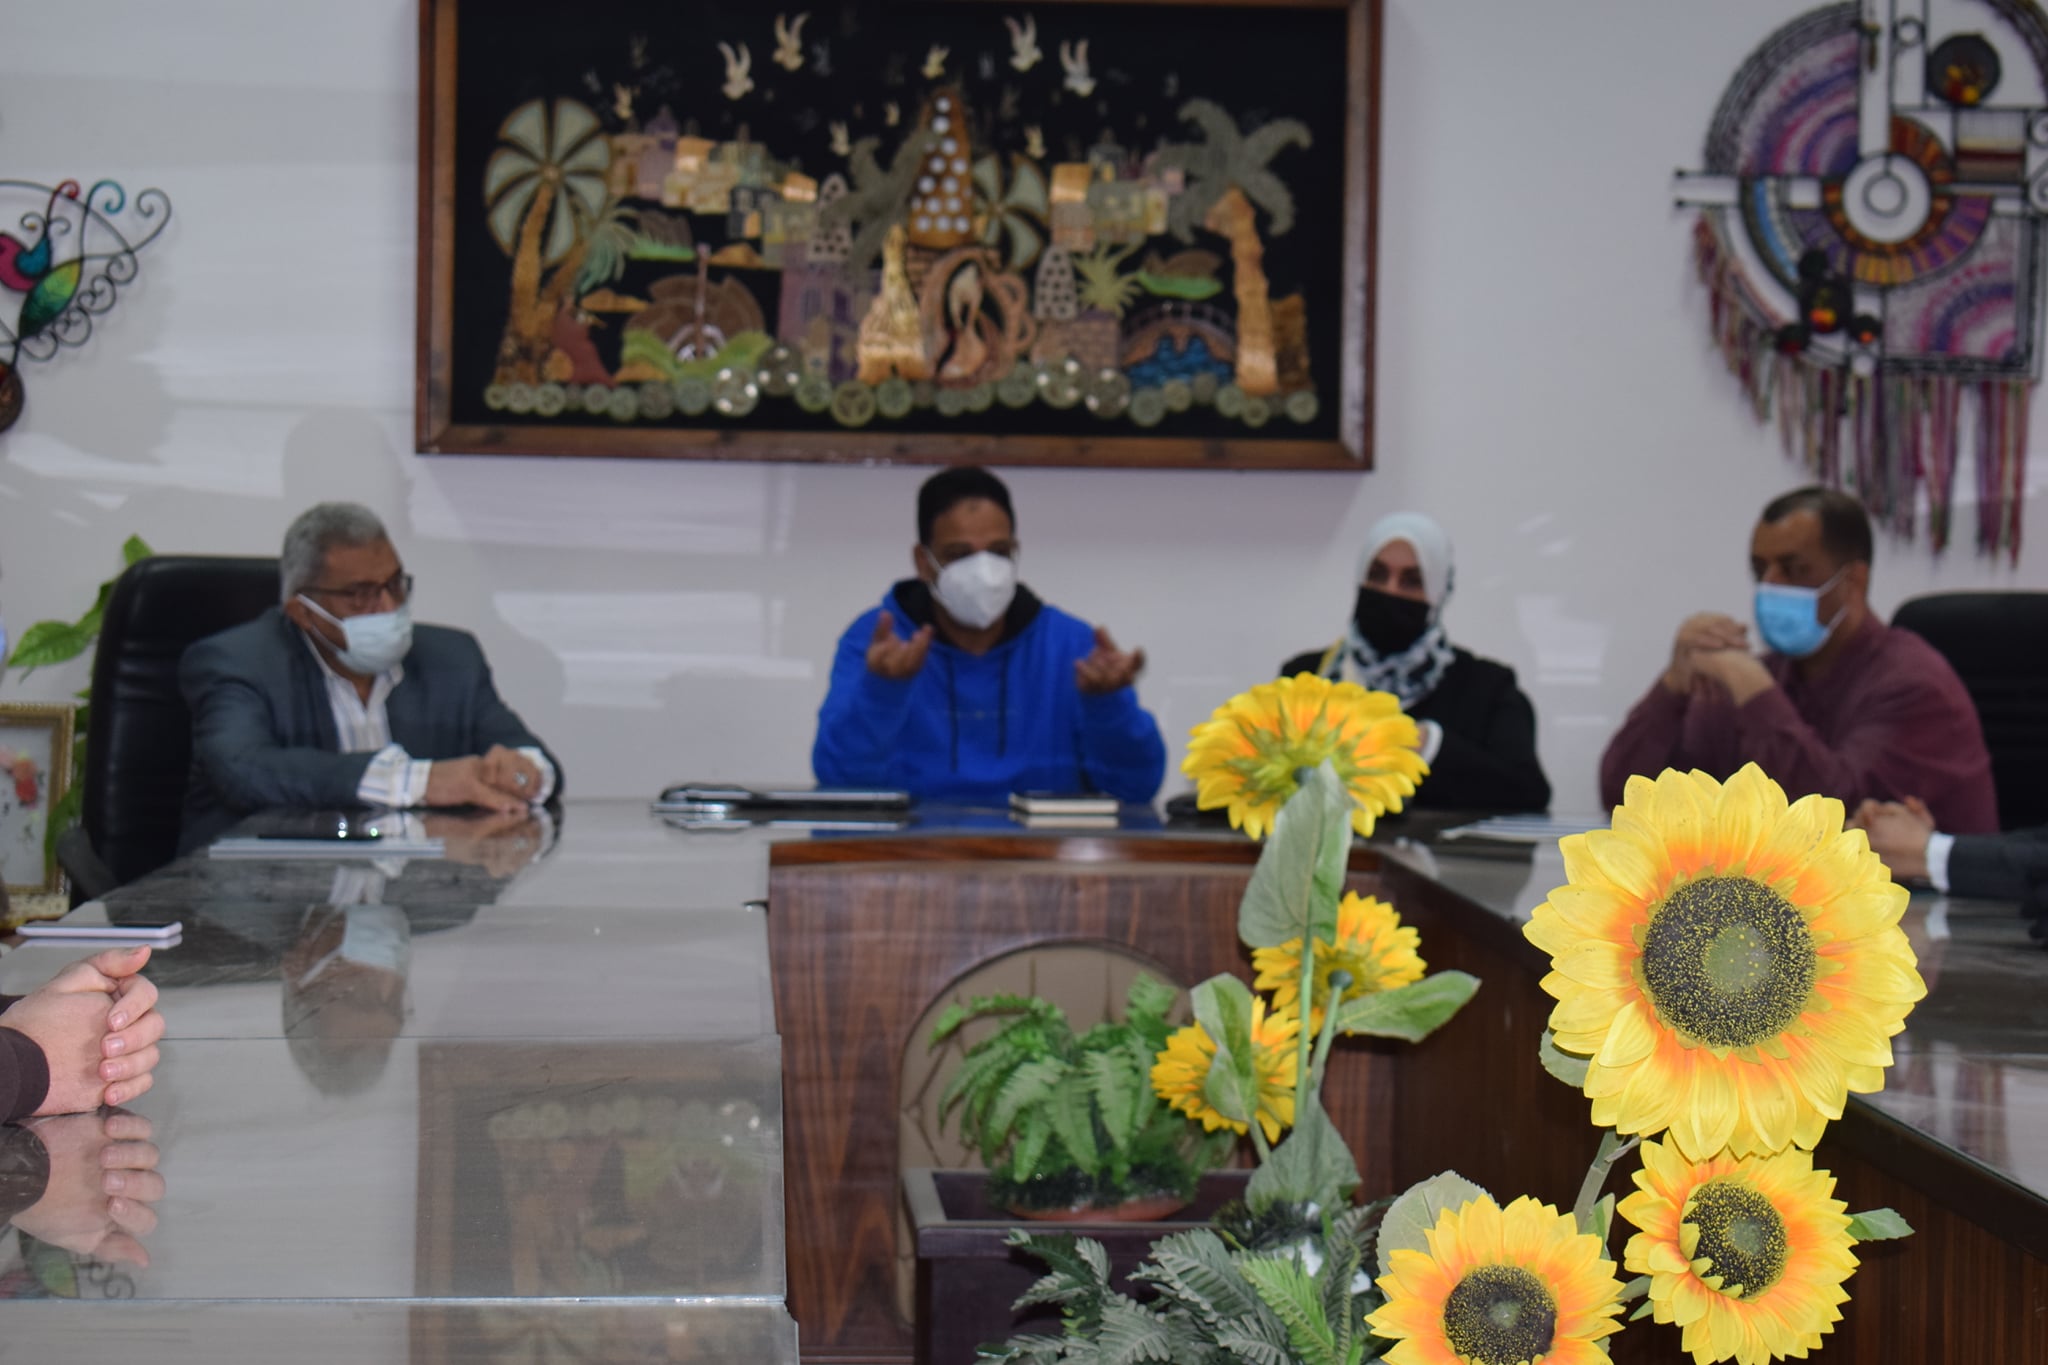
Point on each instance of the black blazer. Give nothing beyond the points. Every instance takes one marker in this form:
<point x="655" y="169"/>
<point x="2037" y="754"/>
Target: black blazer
<point x="1488" y="759"/>
<point x="263" y="732"/>
<point x="2009" y="866"/>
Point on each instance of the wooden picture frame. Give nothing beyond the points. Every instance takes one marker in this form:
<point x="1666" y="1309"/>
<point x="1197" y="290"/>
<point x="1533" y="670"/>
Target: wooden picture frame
<point x="35" y="772"/>
<point x="572" y="162"/>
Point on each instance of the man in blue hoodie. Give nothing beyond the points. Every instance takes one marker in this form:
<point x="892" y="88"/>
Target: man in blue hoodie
<point x="963" y="686"/>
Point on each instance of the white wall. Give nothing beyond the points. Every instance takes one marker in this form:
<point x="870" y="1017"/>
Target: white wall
<point x="1545" y="387"/>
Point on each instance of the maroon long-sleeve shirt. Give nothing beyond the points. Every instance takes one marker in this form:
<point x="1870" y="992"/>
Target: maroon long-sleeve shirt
<point x="1888" y="719"/>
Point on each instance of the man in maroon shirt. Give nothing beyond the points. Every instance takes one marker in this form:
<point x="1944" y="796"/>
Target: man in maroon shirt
<point x="1843" y="704"/>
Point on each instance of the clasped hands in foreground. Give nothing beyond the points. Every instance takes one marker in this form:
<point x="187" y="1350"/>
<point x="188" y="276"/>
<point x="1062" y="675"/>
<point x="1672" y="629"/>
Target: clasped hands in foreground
<point x="500" y="779"/>
<point x="97" y="1026"/>
<point x="1102" y="670"/>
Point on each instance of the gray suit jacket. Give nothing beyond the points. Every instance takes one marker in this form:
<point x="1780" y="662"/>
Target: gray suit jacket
<point x="2012" y="866"/>
<point x="263" y="732"/>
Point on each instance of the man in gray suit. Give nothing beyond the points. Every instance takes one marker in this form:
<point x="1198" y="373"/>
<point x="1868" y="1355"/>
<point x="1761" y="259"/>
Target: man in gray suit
<point x="336" y="699"/>
<point x="2009" y="866"/>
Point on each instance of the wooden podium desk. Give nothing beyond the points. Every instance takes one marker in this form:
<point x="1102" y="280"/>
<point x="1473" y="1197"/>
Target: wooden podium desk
<point x="865" y="932"/>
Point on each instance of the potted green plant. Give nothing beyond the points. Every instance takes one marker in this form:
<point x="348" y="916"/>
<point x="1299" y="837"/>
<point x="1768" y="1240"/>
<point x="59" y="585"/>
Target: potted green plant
<point x="1069" y="1124"/>
<point x="54" y="642"/>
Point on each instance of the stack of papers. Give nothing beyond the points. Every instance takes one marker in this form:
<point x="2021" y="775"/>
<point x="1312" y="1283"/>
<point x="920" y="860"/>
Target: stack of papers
<point x="1064" y="810"/>
<point x="1526" y="829"/>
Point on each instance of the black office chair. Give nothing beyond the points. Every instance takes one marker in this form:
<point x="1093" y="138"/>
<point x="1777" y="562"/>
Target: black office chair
<point x="1998" y="643"/>
<point x="139" y="749"/>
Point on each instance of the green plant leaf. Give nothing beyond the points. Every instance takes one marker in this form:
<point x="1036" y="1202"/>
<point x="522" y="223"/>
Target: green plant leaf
<point x="1195" y="1270"/>
<point x="1131" y="1334"/>
<point x="1310" y="1166"/>
<point x="1600" y="1218"/>
<point x="1568" y="1067"/>
<point x="1148" y="999"/>
<point x="1115" y="1090"/>
<point x="134" y="548"/>
<point x="1417" y="1210"/>
<point x="1299" y="878"/>
<point x="1223" y="1007"/>
<point x="1410" y="1012"/>
<point x="1072" y="1111"/>
<point x="1333" y="1282"/>
<point x="1034" y="1135"/>
<point x="1026" y="1348"/>
<point x="1257" y="1343"/>
<point x="49" y="642"/>
<point x="1033" y="1083"/>
<point x="1879" y="1225"/>
<point x="1290" y="1292"/>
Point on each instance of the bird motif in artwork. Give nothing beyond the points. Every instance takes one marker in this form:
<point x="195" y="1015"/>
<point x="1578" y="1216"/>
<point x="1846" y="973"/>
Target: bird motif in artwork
<point x="840" y="146"/>
<point x="30" y="269"/>
<point x="1075" y="59"/>
<point x="1024" y="50"/>
<point x="738" y="66"/>
<point x="789" y="47"/>
<point x="935" y="62"/>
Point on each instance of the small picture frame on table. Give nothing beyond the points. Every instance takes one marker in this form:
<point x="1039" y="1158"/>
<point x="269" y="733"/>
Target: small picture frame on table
<point x="35" y="772"/>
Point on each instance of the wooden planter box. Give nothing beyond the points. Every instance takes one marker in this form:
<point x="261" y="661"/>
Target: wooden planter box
<point x="967" y="1278"/>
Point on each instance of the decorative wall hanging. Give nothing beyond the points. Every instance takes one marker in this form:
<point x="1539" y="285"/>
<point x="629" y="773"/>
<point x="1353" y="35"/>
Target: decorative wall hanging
<point x="915" y="230"/>
<point x="66" y="251"/>
<point x="1871" y="237"/>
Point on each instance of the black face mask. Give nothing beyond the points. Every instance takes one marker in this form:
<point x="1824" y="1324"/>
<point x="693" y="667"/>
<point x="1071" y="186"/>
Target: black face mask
<point x="1388" y="623"/>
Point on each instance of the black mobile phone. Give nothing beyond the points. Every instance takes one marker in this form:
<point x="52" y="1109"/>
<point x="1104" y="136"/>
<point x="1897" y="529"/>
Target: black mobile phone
<point x="332" y="826"/>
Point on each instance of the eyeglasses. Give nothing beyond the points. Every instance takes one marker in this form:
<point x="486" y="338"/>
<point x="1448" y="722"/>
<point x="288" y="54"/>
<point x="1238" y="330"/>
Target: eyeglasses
<point x="362" y="597"/>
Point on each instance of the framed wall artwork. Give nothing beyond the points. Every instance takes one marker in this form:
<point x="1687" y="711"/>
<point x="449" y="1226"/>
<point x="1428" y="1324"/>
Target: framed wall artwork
<point x="1079" y="233"/>
<point x="35" y="765"/>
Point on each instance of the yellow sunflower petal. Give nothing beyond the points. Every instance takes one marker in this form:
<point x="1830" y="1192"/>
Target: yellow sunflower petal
<point x="1731" y="961"/>
<point x="1520" y="1283"/>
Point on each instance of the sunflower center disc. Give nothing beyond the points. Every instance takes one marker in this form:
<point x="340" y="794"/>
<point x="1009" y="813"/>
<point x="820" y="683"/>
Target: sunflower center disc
<point x="1728" y="961"/>
<point x="1500" y="1315"/>
<point x="1742" y="1234"/>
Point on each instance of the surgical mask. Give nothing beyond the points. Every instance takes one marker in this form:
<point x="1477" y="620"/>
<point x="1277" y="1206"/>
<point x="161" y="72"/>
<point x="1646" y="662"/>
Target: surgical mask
<point x="1388" y="623"/>
<point x="376" y="643"/>
<point x="1788" y="617"/>
<point x="977" y="590"/>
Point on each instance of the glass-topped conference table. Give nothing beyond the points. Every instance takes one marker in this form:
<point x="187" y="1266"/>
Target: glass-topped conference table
<point x="575" y="1092"/>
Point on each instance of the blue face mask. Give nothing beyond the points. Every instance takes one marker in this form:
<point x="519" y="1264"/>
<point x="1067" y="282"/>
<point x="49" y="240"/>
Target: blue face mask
<point x="1788" y="617"/>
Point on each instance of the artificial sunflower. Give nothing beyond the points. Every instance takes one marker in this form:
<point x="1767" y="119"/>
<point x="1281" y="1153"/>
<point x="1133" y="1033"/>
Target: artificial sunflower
<point x="1372" y="944"/>
<point x="1732" y="965"/>
<point x="1181" y="1073"/>
<point x="1499" y="1287"/>
<point x="1248" y="754"/>
<point x="1747" y="1255"/>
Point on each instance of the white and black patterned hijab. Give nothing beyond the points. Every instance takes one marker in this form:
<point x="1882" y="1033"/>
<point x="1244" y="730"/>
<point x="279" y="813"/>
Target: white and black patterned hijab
<point x="1413" y="673"/>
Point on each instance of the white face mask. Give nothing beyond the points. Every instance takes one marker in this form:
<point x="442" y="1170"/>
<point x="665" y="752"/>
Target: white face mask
<point x="977" y="590"/>
<point x="375" y="643"/>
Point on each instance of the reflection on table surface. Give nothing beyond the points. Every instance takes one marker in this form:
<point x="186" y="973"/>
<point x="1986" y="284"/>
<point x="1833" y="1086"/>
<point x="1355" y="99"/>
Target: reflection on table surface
<point x="264" y="969"/>
<point x="331" y="1333"/>
<point x="502" y="1168"/>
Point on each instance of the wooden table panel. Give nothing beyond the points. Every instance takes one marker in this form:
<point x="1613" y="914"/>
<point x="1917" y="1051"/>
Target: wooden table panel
<point x="861" y="945"/>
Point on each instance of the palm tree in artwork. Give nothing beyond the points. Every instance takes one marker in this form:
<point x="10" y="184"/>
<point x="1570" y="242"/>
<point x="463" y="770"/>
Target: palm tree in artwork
<point x="1229" y="178"/>
<point x="544" y="194"/>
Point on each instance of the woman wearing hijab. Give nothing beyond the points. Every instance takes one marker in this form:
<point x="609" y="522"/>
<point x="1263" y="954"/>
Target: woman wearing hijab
<point x="1478" y="730"/>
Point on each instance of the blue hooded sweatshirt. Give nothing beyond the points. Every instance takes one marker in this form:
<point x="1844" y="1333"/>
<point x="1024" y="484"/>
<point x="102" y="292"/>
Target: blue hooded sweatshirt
<point x="974" y="728"/>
